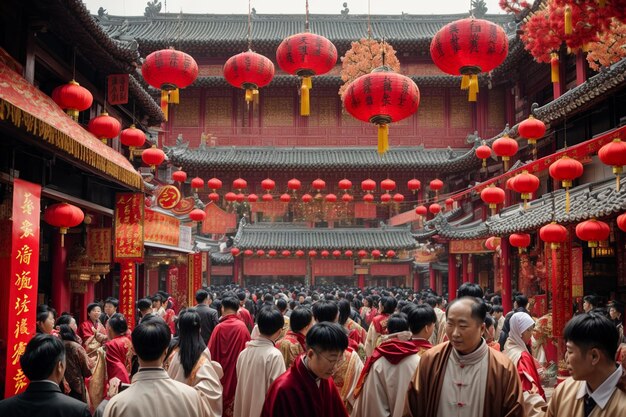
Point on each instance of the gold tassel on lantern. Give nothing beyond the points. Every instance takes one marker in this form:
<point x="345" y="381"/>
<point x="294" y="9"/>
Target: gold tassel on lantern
<point x="617" y="170"/>
<point x="164" y="101"/>
<point x="174" y="97"/>
<point x="473" y="87"/>
<point x="569" y="29"/>
<point x="255" y="96"/>
<point x="305" y="107"/>
<point x="249" y="97"/>
<point x="383" y="138"/>
<point x="554" y="68"/>
<point x="465" y="80"/>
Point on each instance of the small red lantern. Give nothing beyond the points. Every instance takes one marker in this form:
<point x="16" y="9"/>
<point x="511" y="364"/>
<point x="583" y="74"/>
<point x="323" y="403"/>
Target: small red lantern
<point x="272" y="253"/>
<point x="421" y="210"/>
<point x="307" y="198"/>
<point x="235" y="251"/>
<point x="614" y="154"/>
<point x="345" y="184"/>
<point x="493" y="196"/>
<point x="305" y="55"/>
<point x="319" y="184"/>
<point x="347" y="198"/>
<point x="436" y="185"/>
<point x="385" y="198"/>
<point x="391" y="254"/>
<point x="483" y="152"/>
<point x="510" y="183"/>
<point x="197" y="183"/>
<point x="382" y="97"/>
<point x="368" y="198"/>
<point x="554" y="234"/>
<point x="240" y="198"/>
<point x="525" y="184"/>
<point x="331" y="198"/>
<point x="368" y="185"/>
<point x="492" y="243"/>
<point x="434" y="208"/>
<point x="348" y="254"/>
<point x="153" y="156"/>
<point x="468" y="47"/>
<point x="268" y="184"/>
<point x="260" y="253"/>
<point x="362" y="254"/>
<point x="63" y="216"/>
<point x="197" y="215"/>
<point x="299" y="253"/>
<point x="104" y="127"/>
<point x="325" y="254"/>
<point x="267" y="198"/>
<point x="294" y="184"/>
<point x="72" y="98"/>
<point x="214" y="197"/>
<point x="285" y="198"/>
<point x="133" y="138"/>
<point x="312" y="254"/>
<point x="240" y="184"/>
<point x="532" y="129"/>
<point x="449" y="203"/>
<point x="414" y="185"/>
<point x="621" y="222"/>
<point x="398" y="198"/>
<point x="388" y="185"/>
<point x="179" y="176"/>
<point x="230" y="197"/>
<point x="520" y="240"/>
<point x="253" y="198"/>
<point x="566" y="170"/>
<point x="505" y="147"/>
<point x="375" y="254"/>
<point x="336" y="253"/>
<point x="593" y="231"/>
<point x="286" y="254"/>
<point x="248" y="252"/>
<point x="214" y="184"/>
<point x="249" y="71"/>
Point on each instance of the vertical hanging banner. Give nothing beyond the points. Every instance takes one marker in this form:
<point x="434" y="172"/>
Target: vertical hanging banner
<point x="127" y="292"/>
<point x="195" y="276"/>
<point x="577" y="272"/>
<point x="117" y="88"/>
<point x="22" y="285"/>
<point x="99" y="245"/>
<point x="129" y="221"/>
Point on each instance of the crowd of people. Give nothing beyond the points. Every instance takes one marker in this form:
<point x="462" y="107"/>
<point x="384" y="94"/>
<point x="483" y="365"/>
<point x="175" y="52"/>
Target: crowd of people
<point x="323" y="351"/>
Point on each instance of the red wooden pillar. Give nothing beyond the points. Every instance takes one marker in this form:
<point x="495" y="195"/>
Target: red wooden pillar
<point x="581" y="68"/>
<point x="432" y="278"/>
<point x="464" y="265"/>
<point x="237" y="276"/>
<point x="506" y="275"/>
<point x="361" y="283"/>
<point x="416" y="281"/>
<point x="472" y="272"/>
<point x="60" y="282"/>
<point x="451" y="277"/>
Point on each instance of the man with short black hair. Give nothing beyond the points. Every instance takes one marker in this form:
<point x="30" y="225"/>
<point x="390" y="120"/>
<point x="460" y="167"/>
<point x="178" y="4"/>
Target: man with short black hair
<point x="597" y="386"/>
<point x="208" y="315"/>
<point x="43" y="363"/>
<point x="498" y="317"/>
<point x="294" y="343"/>
<point x="145" y="308"/>
<point x="469" y="289"/>
<point x="110" y="308"/>
<point x="307" y="389"/>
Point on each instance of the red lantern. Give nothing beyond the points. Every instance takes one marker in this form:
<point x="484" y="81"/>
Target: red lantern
<point x="434" y="208"/>
<point x="348" y="254"/>
<point x="253" y="198"/>
<point x="179" y="176"/>
<point x="532" y="129"/>
<point x="483" y="152"/>
<point x="331" y="198"/>
<point x="235" y="251"/>
<point x="294" y="184"/>
<point x="388" y="185"/>
<point x="214" y="184"/>
<point x="319" y="184"/>
<point x="299" y="253"/>
<point x="267" y="198"/>
<point x="345" y="184"/>
<point x="385" y="198"/>
<point x="621" y="222"/>
<point x="347" y="198"/>
<point x="305" y="55"/>
<point x="505" y="147"/>
<point x="414" y="185"/>
<point x="153" y="156"/>
<point x="230" y="197"/>
<point x="285" y="198"/>
<point x="249" y="71"/>
<point x="197" y="215"/>
<point x="510" y="183"/>
<point x="248" y="252"/>
<point x="554" y="234"/>
<point x="493" y="196"/>
<point x="240" y="184"/>
<point x="214" y="197"/>
<point x="362" y="254"/>
<point x="468" y="47"/>
<point x="382" y="97"/>
<point x="133" y="138"/>
<point x="525" y="184"/>
<point x="421" y="210"/>
<point x="520" y="240"/>
<point x="260" y="253"/>
<point x="368" y="198"/>
<point x="72" y="98"/>
<point x="368" y="185"/>
<point x="436" y="185"/>
<point x="307" y="198"/>
<point x="272" y="253"/>
<point x="286" y="254"/>
<point x="614" y="154"/>
<point x="398" y="198"/>
<point x="63" y="216"/>
<point x="336" y="253"/>
<point x="566" y="170"/>
<point x="492" y="243"/>
<point x="449" y="203"/>
<point x="375" y="254"/>
<point x="240" y="198"/>
<point x="391" y="254"/>
<point x="268" y="184"/>
<point x="104" y="127"/>
<point x="312" y="254"/>
<point x="593" y="231"/>
<point x="197" y="183"/>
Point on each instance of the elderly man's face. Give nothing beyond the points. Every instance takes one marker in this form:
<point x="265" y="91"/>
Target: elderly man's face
<point x="463" y="330"/>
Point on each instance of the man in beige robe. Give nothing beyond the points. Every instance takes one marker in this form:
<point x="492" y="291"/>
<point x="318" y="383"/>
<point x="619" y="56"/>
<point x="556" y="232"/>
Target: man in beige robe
<point x="440" y="325"/>
<point x="597" y="387"/>
<point x="259" y="364"/>
<point x="464" y="377"/>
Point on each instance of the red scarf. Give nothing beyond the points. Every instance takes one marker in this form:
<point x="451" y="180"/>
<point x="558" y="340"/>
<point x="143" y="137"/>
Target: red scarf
<point x="421" y="344"/>
<point x="394" y="351"/>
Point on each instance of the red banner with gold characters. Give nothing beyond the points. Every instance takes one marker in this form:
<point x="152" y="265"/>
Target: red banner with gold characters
<point x="22" y="285"/>
<point x="195" y="276"/>
<point x="468" y="246"/>
<point x="577" y="272"/>
<point x="129" y="220"/>
<point x="161" y="228"/>
<point x="117" y="88"/>
<point x="127" y="292"/>
<point x="99" y="245"/>
<point x="217" y="220"/>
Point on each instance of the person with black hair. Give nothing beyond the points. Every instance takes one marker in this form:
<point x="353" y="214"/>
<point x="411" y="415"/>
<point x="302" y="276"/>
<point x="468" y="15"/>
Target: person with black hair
<point x="294" y="343"/>
<point x="439" y="331"/>
<point x="616" y="314"/>
<point x="145" y="308"/>
<point x="45" y="319"/>
<point x="464" y="376"/>
<point x="76" y="358"/>
<point x="422" y="322"/>
<point x="590" y="302"/>
<point x="189" y="361"/>
<point x="91" y="331"/>
<point x="597" y="385"/>
<point x="378" y="326"/>
<point x="243" y="312"/>
<point x="368" y="312"/>
<point x="498" y="317"/>
<point x="259" y="364"/>
<point x="227" y="341"/>
<point x="283" y="307"/>
<point x="110" y="308"/>
<point x="208" y="315"/>
<point x="469" y="289"/>
<point x="325" y="310"/>
<point x="152" y="391"/>
<point x="307" y="389"/>
<point x="356" y="333"/>
<point x="44" y="364"/>
<point x="520" y="301"/>
<point x="119" y="349"/>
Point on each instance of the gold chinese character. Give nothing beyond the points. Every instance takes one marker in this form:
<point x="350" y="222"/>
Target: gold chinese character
<point x="18" y="350"/>
<point x="27" y="229"/>
<point x="21" y="327"/>
<point x="21" y="305"/>
<point x="27" y="207"/>
<point x="23" y="281"/>
<point x="24" y="254"/>
<point x="20" y="381"/>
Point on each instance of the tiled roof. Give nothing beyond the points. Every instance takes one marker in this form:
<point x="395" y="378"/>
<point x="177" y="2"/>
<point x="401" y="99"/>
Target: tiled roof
<point x="218" y="258"/>
<point x="288" y="237"/>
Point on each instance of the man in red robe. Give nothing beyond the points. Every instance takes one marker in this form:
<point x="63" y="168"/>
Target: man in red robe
<point x="307" y="388"/>
<point x="227" y="341"/>
<point x="294" y="343"/>
<point x="243" y="313"/>
<point x="119" y="350"/>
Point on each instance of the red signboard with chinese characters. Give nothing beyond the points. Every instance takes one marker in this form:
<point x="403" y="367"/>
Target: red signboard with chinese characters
<point x="129" y="225"/>
<point x="217" y="221"/>
<point x="24" y="269"/>
<point x="364" y="210"/>
<point x="117" y="88"/>
<point x="127" y="292"/>
<point x="99" y="245"/>
<point x="577" y="272"/>
<point x="468" y="246"/>
<point x="389" y="270"/>
<point x="264" y="266"/>
<point x="332" y="267"/>
<point x="168" y="197"/>
<point x="161" y="228"/>
<point x="195" y="276"/>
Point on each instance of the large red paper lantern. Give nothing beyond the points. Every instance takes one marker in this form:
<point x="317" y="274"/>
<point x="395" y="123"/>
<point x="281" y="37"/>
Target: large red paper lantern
<point x="593" y="231"/>
<point x="434" y="208"/>
<point x="197" y="215"/>
<point x="331" y="198"/>
<point x="179" y="176"/>
<point x="319" y="184"/>
<point x="391" y="253"/>
<point x="554" y="234"/>
<point x="235" y="251"/>
<point x="307" y="198"/>
<point x="520" y="241"/>
<point x="388" y="185"/>
<point x="285" y="198"/>
<point x="230" y="197"/>
<point x="153" y="156"/>
<point x="368" y="198"/>
<point x="348" y="254"/>
<point x="249" y="71"/>
<point x="347" y="198"/>
<point x="505" y="147"/>
<point x="566" y="170"/>
<point x="468" y="47"/>
<point x="305" y="55"/>
<point x="398" y="198"/>
<point x="436" y="185"/>
<point x="214" y="197"/>
<point x="493" y="196"/>
<point x="376" y="254"/>
<point x="362" y="254"/>
<point x="421" y="210"/>
<point x="532" y="129"/>
<point x="240" y="184"/>
<point x="368" y="185"/>
<point x="214" y="184"/>
<point x="268" y="184"/>
<point x="336" y="253"/>
<point x="267" y="198"/>
<point x="299" y="253"/>
<point x="240" y="198"/>
<point x="197" y="183"/>
<point x="63" y="216"/>
<point x="294" y="184"/>
<point x="248" y="252"/>
<point x="312" y="254"/>
<point x="525" y="184"/>
<point x="414" y="185"/>
<point x="72" y="98"/>
<point x="621" y="222"/>
<point x="382" y="97"/>
<point x="385" y="198"/>
<point x="133" y="138"/>
<point x="260" y="253"/>
<point x="345" y="184"/>
<point x="614" y="154"/>
<point x="272" y="253"/>
<point x="483" y="152"/>
<point x="253" y="198"/>
<point x="449" y="203"/>
<point x="104" y="127"/>
<point x="286" y="253"/>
